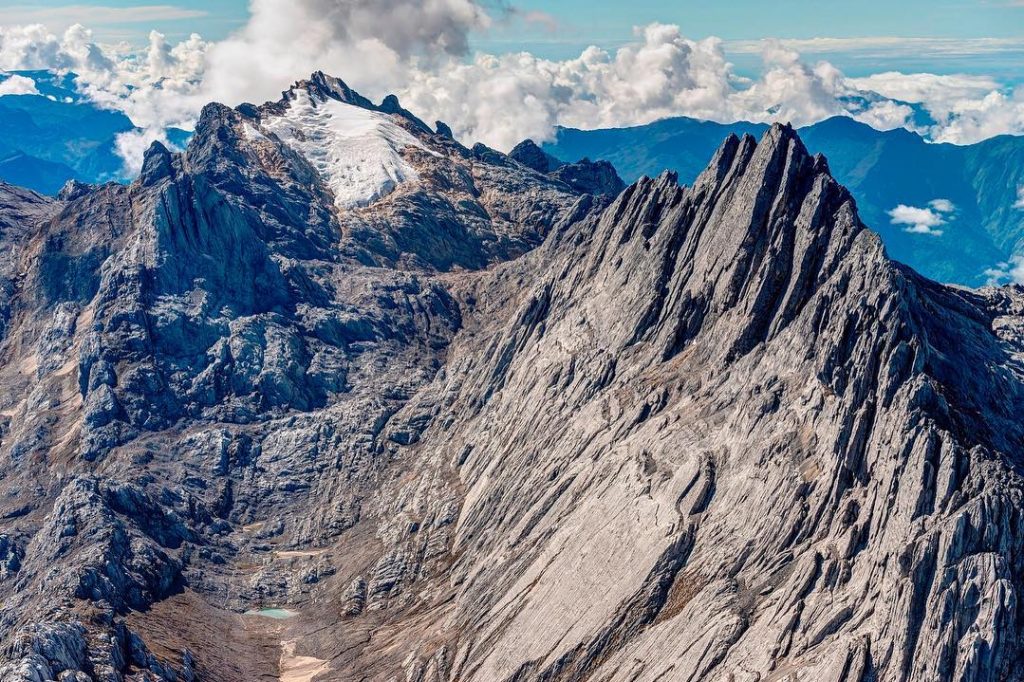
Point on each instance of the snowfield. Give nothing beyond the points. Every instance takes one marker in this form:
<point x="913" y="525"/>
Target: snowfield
<point x="356" y="151"/>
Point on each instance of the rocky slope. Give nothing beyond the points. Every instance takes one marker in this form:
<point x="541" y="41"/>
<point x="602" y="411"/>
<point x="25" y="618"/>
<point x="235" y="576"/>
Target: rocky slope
<point x="464" y="416"/>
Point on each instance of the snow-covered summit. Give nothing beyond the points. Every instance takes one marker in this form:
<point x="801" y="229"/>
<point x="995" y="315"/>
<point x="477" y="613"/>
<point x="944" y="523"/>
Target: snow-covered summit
<point x="356" y="148"/>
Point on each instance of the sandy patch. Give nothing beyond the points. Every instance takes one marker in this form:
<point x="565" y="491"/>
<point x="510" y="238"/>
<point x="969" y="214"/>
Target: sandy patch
<point x="29" y="365"/>
<point x="299" y="553"/>
<point x="299" y="668"/>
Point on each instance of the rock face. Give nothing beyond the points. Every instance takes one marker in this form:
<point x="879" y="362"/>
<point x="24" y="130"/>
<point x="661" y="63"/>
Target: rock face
<point x="585" y="176"/>
<point x="490" y="424"/>
<point x="882" y="169"/>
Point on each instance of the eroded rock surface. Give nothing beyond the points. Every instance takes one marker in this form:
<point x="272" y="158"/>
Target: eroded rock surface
<point x="492" y="422"/>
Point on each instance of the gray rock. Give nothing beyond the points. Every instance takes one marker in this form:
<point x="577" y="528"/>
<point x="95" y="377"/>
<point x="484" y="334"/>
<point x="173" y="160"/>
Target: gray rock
<point x="530" y="155"/>
<point x="590" y="177"/>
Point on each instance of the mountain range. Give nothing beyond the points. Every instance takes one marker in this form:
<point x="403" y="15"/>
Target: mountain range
<point x="60" y="135"/>
<point x="330" y="396"/>
<point x="57" y="135"/>
<point x="983" y="183"/>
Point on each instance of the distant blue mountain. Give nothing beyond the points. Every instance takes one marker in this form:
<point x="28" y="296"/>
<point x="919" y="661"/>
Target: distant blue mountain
<point x="46" y="177"/>
<point x="77" y="135"/>
<point x="58" y="135"/>
<point x="881" y="169"/>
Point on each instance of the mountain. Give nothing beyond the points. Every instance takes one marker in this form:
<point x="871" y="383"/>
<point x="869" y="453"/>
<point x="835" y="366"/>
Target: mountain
<point x="60" y="87"/>
<point x="56" y="136"/>
<point x="76" y="135"/>
<point x="883" y="170"/>
<point x="60" y="135"/>
<point x="44" y="176"/>
<point x="330" y="396"/>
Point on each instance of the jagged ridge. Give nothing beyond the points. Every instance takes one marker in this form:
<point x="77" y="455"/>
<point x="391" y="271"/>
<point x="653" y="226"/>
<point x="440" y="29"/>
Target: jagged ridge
<point x="751" y="423"/>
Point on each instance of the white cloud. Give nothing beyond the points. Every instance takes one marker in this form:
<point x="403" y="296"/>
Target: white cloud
<point x="420" y="50"/>
<point x="886" y="115"/>
<point x="926" y="87"/>
<point x="1020" y="198"/>
<point x="965" y="121"/>
<point x="374" y="44"/>
<point x="132" y="145"/>
<point x="1009" y="272"/>
<point x="503" y="99"/>
<point x="18" y="85"/>
<point x="965" y="108"/>
<point x="157" y="88"/>
<point x="500" y="100"/>
<point x="891" y="46"/>
<point x="922" y="220"/>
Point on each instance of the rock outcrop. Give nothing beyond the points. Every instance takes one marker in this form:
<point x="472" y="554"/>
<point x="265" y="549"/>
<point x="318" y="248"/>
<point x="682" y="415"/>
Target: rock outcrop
<point x="584" y="176"/>
<point x="486" y="422"/>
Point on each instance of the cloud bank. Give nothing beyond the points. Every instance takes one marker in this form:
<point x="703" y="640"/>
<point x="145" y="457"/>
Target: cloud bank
<point x="420" y="49"/>
<point x="373" y="44"/>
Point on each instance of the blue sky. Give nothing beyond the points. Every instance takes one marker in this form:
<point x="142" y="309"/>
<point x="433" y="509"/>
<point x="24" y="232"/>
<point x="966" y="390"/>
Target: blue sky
<point x="949" y="69"/>
<point x="970" y="36"/>
<point x="958" y="29"/>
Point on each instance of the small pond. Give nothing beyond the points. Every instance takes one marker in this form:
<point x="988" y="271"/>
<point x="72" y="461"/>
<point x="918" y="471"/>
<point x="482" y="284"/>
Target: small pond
<point x="277" y="614"/>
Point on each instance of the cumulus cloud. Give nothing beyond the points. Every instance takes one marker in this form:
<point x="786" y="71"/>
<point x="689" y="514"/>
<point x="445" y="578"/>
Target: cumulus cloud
<point x="500" y="100"/>
<point x="503" y="99"/>
<point x="18" y="85"/>
<point x="157" y="88"/>
<point x="926" y="87"/>
<point x="373" y="43"/>
<point x="968" y="121"/>
<point x="421" y="51"/>
<point x="1009" y="272"/>
<point x="923" y="220"/>
<point x="886" y="115"/>
<point x="965" y="108"/>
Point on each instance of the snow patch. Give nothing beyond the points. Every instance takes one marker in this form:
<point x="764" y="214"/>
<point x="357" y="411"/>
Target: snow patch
<point x="356" y="151"/>
<point x="251" y="133"/>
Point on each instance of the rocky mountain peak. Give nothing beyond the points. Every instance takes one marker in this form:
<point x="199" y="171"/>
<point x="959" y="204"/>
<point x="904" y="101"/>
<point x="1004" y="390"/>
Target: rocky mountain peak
<point x="752" y="240"/>
<point x="417" y="406"/>
<point x="769" y="380"/>
<point x="532" y="156"/>
<point x="323" y="87"/>
<point x="72" y="190"/>
<point x="584" y="176"/>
